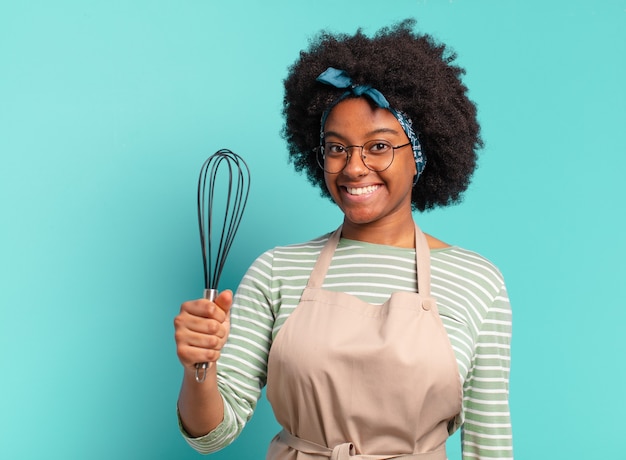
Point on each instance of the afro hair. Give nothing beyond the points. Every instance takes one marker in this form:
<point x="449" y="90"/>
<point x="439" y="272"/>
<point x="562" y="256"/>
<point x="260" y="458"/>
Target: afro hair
<point x="417" y="76"/>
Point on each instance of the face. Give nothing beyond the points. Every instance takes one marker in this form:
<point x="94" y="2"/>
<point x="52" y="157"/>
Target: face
<point x="366" y="196"/>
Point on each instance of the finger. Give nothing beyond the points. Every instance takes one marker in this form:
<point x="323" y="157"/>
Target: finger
<point x="224" y="300"/>
<point x="200" y="324"/>
<point x="189" y="356"/>
<point x="186" y="339"/>
<point x="186" y="322"/>
<point x="204" y="341"/>
<point x="203" y="308"/>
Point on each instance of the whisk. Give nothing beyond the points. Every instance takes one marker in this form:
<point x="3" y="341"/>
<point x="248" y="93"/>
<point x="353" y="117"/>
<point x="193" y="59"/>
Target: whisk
<point x="217" y="234"/>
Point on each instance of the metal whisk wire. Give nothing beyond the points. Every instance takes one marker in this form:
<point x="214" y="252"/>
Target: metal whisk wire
<point x="215" y="251"/>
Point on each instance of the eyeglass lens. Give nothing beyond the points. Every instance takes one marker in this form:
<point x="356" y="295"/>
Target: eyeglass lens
<point x="377" y="155"/>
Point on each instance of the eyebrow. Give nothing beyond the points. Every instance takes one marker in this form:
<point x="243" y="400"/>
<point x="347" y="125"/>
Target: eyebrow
<point x="370" y="133"/>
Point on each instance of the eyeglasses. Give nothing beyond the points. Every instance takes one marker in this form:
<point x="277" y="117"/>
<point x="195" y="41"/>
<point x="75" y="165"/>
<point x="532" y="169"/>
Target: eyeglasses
<point x="377" y="155"/>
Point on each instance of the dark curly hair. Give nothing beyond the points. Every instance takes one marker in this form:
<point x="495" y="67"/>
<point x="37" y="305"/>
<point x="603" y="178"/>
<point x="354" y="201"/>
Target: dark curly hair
<point x="417" y="76"/>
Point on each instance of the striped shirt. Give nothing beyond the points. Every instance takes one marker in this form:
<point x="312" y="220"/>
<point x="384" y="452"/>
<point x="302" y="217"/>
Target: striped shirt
<point x="472" y="302"/>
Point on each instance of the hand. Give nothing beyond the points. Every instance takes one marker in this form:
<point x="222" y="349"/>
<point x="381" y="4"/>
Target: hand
<point x="201" y="329"/>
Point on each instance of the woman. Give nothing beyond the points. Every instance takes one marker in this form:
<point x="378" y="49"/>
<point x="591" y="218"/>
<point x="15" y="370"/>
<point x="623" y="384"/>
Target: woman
<point x="376" y="340"/>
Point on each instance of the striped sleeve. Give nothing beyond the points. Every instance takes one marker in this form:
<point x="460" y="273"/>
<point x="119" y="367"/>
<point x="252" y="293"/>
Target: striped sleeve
<point x="486" y="431"/>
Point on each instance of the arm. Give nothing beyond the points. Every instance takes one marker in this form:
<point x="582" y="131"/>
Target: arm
<point x="212" y="414"/>
<point x="202" y="328"/>
<point x="486" y="432"/>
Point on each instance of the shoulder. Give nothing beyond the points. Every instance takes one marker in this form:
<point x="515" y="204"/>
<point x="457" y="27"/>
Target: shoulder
<point x="298" y="254"/>
<point x="463" y="257"/>
<point x="313" y="245"/>
<point x="468" y="268"/>
<point x="281" y="272"/>
<point x="434" y="243"/>
<point x="470" y="289"/>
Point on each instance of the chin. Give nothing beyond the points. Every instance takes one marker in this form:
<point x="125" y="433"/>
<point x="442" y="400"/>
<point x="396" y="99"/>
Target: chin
<point x="360" y="219"/>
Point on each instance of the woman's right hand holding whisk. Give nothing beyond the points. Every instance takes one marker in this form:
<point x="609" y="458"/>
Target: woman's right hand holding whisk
<point x="201" y="330"/>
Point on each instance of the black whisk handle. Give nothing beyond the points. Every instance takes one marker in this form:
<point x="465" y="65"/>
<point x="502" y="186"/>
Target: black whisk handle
<point x="203" y="368"/>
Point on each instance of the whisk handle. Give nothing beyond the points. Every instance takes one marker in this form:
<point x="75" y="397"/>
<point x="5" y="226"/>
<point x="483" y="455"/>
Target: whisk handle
<point x="202" y="368"/>
<point x="210" y="294"/>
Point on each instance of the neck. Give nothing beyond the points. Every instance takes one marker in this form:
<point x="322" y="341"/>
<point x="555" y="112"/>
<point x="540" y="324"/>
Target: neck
<point x="400" y="234"/>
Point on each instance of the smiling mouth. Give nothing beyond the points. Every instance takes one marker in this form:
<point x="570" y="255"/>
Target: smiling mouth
<point x="362" y="190"/>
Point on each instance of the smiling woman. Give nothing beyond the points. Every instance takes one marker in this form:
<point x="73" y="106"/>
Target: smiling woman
<point x="414" y="78"/>
<point x="374" y="340"/>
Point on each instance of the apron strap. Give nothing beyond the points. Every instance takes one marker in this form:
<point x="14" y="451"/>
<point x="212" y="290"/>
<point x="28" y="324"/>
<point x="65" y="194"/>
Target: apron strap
<point x="346" y="451"/>
<point x="422" y="259"/>
<point x="323" y="261"/>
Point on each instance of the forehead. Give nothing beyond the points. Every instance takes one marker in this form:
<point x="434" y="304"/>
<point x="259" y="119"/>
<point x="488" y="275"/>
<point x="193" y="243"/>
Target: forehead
<point x="358" y="117"/>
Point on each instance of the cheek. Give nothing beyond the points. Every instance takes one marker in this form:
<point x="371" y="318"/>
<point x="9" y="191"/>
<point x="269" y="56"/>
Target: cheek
<point x="329" y="181"/>
<point x="403" y="179"/>
<point x="411" y="166"/>
<point x="408" y="168"/>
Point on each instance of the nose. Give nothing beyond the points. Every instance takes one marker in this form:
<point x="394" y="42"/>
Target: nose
<point x="355" y="167"/>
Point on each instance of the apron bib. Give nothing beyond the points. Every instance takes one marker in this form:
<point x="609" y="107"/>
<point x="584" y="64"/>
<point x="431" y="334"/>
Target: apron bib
<point x="351" y="380"/>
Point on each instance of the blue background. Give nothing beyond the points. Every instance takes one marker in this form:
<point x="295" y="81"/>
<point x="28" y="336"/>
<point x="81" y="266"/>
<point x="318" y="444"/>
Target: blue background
<point x="107" y="111"/>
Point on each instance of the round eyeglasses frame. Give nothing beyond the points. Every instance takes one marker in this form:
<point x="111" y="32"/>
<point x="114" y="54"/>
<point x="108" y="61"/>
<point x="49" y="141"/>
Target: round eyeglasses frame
<point x="366" y="149"/>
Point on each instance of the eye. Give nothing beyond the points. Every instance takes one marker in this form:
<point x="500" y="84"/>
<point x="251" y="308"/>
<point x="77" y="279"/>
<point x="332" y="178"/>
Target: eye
<point x="379" y="147"/>
<point x="332" y="148"/>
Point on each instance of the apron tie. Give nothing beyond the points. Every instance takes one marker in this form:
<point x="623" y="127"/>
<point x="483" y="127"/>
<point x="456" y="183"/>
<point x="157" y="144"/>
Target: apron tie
<point x="346" y="450"/>
<point x="343" y="451"/>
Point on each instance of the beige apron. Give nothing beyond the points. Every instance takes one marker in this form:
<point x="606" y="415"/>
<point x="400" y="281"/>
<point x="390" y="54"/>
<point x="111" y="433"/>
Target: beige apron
<point x="351" y="380"/>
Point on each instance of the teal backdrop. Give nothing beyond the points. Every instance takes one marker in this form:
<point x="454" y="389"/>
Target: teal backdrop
<point x="109" y="108"/>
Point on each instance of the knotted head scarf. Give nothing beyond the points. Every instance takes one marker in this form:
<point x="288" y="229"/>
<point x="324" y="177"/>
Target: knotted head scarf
<point x="340" y="79"/>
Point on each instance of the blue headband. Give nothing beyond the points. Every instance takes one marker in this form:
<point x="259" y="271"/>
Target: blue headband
<point x="340" y="79"/>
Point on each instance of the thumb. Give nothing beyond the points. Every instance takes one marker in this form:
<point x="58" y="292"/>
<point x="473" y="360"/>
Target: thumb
<point x="224" y="300"/>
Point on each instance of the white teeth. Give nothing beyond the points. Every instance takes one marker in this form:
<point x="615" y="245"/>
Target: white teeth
<point x="361" y="190"/>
